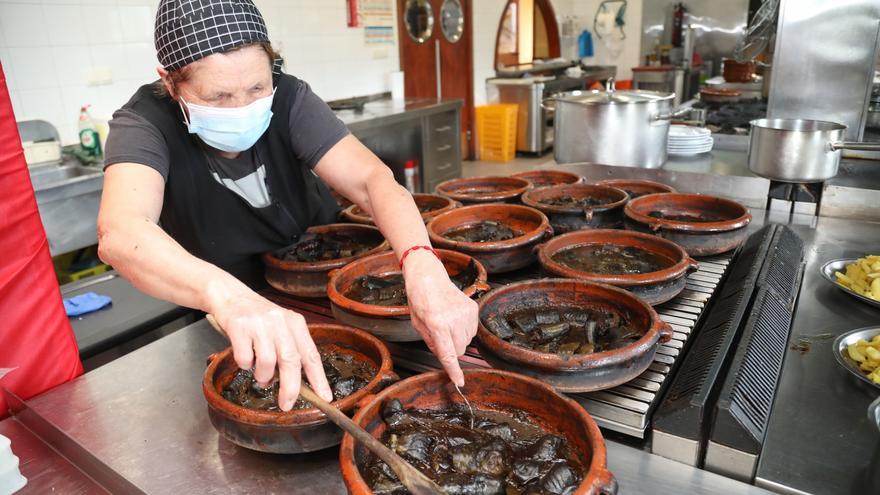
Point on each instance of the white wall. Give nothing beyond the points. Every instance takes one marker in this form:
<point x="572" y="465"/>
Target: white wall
<point x="49" y="49"/>
<point x="487" y="14"/>
<point x="585" y="10"/>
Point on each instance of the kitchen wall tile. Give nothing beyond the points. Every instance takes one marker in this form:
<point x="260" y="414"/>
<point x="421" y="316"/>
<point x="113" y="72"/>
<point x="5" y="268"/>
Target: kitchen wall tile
<point x="65" y="25"/>
<point x="111" y="57"/>
<point x="137" y="23"/>
<point x="34" y="67"/>
<point x="8" y="69"/>
<point x="16" y="104"/>
<point x="72" y="63"/>
<point x="74" y="97"/>
<point x="58" y="2"/>
<point x="44" y="104"/>
<point x="68" y="133"/>
<point x="142" y="62"/>
<point x="23" y="24"/>
<point x="106" y="26"/>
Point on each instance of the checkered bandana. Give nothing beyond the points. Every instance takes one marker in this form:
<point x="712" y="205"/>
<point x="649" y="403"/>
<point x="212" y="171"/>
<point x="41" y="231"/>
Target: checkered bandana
<point x="188" y="30"/>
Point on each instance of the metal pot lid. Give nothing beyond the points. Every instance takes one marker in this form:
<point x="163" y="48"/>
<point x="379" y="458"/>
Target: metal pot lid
<point x="597" y="97"/>
<point x="612" y="97"/>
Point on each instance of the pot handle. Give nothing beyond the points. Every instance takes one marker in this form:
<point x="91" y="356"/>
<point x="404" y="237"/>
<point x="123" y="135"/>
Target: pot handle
<point x="693" y="265"/>
<point x="665" y="330"/>
<point x="364" y="401"/>
<point x="548" y="234"/>
<point x="852" y="145"/>
<point x="588" y="214"/>
<point x="211" y="359"/>
<point x="605" y="483"/>
<point x="387" y="379"/>
<point x="655" y="224"/>
<point x="482" y="288"/>
<point x="677" y="112"/>
<point x="545" y="103"/>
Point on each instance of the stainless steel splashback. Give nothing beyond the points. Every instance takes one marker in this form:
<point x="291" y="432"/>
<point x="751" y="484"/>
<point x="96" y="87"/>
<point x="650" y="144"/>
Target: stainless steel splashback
<point x="823" y="61"/>
<point x="718" y="25"/>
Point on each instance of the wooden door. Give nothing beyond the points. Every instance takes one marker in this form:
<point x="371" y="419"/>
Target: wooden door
<point x="437" y="56"/>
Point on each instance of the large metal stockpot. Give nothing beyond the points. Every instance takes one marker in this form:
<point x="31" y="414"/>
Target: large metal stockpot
<point x="627" y="128"/>
<point x="799" y="150"/>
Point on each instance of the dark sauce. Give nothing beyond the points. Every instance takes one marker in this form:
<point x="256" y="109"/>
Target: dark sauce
<point x="611" y="260"/>
<point x="572" y="202"/>
<point x="479" y="190"/>
<point x="564" y="330"/>
<point x="485" y="231"/>
<point x="391" y="291"/>
<point x="329" y="246"/>
<point x="502" y="454"/>
<point x="687" y="217"/>
<point x="345" y="374"/>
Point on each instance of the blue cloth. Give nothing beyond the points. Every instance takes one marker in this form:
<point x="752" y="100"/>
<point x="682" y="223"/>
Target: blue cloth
<point x="85" y="303"/>
<point x="585" y="44"/>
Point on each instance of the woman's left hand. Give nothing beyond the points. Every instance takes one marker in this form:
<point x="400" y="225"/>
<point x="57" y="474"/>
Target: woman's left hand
<point x="443" y="315"/>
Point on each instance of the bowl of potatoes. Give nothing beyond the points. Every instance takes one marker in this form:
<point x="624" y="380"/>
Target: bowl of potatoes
<point x="859" y="277"/>
<point x="858" y="351"/>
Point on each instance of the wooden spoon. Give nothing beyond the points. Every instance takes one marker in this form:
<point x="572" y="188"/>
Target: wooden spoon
<point x="413" y="479"/>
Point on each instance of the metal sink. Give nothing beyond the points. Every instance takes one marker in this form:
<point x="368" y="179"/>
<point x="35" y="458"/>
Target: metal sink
<point x="47" y="176"/>
<point x="68" y="196"/>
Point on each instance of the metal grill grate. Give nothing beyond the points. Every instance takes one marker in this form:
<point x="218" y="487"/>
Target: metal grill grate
<point x="783" y="265"/>
<point x="745" y="401"/>
<point x="684" y="410"/>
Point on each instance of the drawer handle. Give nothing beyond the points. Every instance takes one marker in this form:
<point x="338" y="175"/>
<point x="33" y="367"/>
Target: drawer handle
<point x="445" y="128"/>
<point x="445" y="147"/>
<point x="445" y="166"/>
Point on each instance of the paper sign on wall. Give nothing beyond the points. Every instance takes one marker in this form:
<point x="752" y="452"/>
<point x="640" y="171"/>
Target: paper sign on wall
<point x="377" y="17"/>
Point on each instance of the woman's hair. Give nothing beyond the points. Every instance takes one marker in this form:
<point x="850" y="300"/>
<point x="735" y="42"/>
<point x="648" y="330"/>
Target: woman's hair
<point x="183" y="74"/>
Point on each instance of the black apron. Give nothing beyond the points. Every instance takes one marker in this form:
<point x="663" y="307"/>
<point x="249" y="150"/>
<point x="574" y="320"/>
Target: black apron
<point x="213" y="222"/>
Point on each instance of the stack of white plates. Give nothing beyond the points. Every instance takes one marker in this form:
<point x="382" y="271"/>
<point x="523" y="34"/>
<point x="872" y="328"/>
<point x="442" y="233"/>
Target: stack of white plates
<point x="687" y="140"/>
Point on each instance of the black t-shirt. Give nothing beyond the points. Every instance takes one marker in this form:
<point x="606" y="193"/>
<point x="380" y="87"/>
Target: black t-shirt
<point x="313" y="128"/>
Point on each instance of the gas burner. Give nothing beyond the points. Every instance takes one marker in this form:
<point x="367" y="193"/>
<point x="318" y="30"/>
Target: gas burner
<point x="733" y="118"/>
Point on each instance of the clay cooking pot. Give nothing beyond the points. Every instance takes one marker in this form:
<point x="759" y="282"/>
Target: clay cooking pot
<point x="487" y="390"/>
<point x="309" y="279"/>
<point x="438" y="205"/>
<point x="391" y="323"/>
<point x="579" y="372"/>
<point x="568" y="218"/>
<point x="653" y="287"/>
<point x="697" y="238"/>
<point x="300" y="430"/>
<point x="496" y="256"/>
<point x="544" y="178"/>
<point x="489" y="189"/>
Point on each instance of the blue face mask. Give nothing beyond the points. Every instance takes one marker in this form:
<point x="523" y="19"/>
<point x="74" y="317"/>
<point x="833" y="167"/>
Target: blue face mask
<point x="230" y="129"/>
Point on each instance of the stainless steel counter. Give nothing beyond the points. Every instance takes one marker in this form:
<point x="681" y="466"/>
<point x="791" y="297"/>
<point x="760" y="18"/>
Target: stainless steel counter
<point x="387" y="112"/>
<point x="819" y="439"/>
<point x="144" y="420"/>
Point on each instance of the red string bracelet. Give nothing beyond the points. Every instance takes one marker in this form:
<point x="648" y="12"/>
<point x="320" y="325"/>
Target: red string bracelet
<point x="416" y="248"/>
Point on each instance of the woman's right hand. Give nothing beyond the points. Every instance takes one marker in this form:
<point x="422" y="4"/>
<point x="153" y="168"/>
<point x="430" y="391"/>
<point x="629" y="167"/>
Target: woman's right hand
<point x="264" y="335"/>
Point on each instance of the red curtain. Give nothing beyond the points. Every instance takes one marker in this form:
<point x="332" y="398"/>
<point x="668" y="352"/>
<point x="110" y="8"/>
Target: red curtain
<point x="36" y="340"/>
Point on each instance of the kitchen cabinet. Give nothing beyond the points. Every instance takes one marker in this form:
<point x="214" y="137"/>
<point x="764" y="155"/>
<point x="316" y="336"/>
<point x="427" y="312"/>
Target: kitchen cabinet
<point x="424" y="130"/>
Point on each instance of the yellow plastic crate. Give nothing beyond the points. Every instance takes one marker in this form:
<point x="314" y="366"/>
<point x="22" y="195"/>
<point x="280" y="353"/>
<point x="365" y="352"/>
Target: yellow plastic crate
<point x="496" y="131"/>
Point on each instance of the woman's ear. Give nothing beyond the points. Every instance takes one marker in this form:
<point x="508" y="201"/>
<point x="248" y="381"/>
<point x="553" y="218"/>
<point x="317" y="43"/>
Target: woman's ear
<point x="166" y="80"/>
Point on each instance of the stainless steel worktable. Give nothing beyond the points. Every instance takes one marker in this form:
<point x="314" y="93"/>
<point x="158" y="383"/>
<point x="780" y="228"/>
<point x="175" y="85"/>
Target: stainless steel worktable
<point x="144" y="420"/>
<point x="388" y="111"/>
<point x="819" y="439"/>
